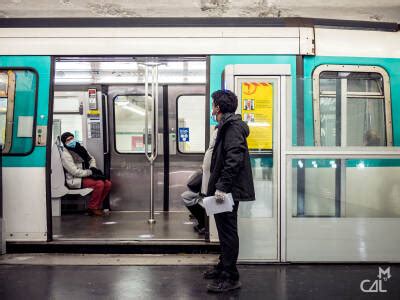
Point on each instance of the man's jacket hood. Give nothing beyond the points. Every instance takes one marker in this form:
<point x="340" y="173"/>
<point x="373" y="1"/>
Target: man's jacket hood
<point x="230" y="117"/>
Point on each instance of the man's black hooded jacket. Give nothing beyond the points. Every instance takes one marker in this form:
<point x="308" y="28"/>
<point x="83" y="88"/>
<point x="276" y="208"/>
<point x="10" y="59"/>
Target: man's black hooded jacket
<point x="230" y="163"/>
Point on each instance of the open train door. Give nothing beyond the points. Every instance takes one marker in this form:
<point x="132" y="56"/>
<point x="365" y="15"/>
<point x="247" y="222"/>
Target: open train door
<point x="24" y="104"/>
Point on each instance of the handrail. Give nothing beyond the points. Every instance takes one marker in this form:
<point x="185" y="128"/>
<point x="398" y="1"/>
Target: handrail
<point x="156" y="113"/>
<point x="154" y="132"/>
<point x="146" y="119"/>
<point x="106" y="118"/>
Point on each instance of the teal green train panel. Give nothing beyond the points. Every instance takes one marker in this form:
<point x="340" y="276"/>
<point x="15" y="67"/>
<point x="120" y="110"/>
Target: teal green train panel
<point x="219" y="62"/>
<point x="40" y="65"/>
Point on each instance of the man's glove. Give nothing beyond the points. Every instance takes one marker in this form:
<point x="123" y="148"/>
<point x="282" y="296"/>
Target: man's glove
<point x="219" y="196"/>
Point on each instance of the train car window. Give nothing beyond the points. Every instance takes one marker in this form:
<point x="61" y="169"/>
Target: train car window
<point x="68" y="110"/>
<point x="130" y="124"/>
<point x="191" y="123"/>
<point x="352" y="107"/>
<point x="67" y="103"/>
<point x="68" y="122"/>
<point x="18" y="95"/>
<point x="4" y="83"/>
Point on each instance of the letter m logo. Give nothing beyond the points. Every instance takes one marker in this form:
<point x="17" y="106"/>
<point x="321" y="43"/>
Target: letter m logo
<point x="384" y="274"/>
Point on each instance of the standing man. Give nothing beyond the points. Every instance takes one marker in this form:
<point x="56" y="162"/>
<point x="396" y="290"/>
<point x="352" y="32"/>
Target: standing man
<point x="230" y="173"/>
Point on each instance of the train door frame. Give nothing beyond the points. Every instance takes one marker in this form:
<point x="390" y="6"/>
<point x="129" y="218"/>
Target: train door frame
<point x="282" y="74"/>
<point x="100" y="155"/>
<point x="106" y="112"/>
<point x="169" y="94"/>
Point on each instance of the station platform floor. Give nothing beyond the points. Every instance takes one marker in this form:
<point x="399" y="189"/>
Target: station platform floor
<point x="75" y="276"/>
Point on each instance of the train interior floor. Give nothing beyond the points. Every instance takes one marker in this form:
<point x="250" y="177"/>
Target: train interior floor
<point x="291" y="281"/>
<point x="126" y="226"/>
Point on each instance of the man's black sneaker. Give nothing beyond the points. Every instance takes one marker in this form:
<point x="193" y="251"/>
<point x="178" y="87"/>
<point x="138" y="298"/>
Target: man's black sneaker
<point x="212" y="273"/>
<point x="223" y="285"/>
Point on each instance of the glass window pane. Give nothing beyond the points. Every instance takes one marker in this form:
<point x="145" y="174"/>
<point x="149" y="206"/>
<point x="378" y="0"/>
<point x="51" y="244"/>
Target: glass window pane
<point x="24" y="111"/>
<point x="360" y="94"/>
<point x="372" y="188"/>
<point x="3" y="84"/>
<point x="191" y="123"/>
<point x="357" y="82"/>
<point x="130" y="123"/>
<point x="4" y="106"/>
<point x="3" y="118"/>
<point x="313" y="192"/>
<point x="366" y="122"/>
<point x="330" y="108"/>
<point x="328" y="121"/>
<point x="331" y="188"/>
<point x="327" y="82"/>
<point x="66" y="103"/>
<point x="360" y="82"/>
<point x="257" y="219"/>
<point x="262" y="169"/>
<point x="71" y="123"/>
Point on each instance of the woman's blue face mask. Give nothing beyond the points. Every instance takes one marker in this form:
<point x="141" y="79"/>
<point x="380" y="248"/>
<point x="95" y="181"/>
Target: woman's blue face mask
<point x="71" y="143"/>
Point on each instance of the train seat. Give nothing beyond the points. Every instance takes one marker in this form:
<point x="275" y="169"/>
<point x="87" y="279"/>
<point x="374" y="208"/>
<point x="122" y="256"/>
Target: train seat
<point x="58" y="185"/>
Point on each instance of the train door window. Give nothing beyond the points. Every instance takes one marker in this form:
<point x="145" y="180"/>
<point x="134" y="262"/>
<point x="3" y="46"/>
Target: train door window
<point x="71" y="123"/>
<point x="18" y="94"/>
<point x="130" y="123"/>
<point x="352" y="106"/>
<point x="191" y="126"/>
<point x="4" y="83"/>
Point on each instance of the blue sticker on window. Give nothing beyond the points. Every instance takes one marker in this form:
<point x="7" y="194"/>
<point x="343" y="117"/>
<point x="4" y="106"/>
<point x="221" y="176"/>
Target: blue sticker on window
<point x="184" y="134"/>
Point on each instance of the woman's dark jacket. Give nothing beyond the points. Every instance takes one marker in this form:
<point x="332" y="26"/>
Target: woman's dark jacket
<point x="230" y="163"/>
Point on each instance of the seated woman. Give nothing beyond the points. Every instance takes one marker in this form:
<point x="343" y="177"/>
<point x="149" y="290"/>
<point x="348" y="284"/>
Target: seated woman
<point x="81" y="172"/>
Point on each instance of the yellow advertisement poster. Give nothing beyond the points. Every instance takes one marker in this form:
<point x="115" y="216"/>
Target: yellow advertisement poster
<point x="257" y="112"/>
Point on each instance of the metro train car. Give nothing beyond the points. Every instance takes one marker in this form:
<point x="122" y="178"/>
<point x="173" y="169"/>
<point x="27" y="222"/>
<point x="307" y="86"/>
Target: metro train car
<point x="321" y="98"/>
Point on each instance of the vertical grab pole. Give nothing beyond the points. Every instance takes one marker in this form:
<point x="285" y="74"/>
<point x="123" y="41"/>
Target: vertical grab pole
<point x="154" y="132"/>
<point x="151" y="219"/>
<point x="154" y="138"/>
<point x="156" y="113"/>
<point x="150" y="157"/>
<point x="146" y="108"/>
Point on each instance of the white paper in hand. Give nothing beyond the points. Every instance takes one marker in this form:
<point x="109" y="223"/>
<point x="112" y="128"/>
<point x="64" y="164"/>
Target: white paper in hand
<point x="213" y="207"/>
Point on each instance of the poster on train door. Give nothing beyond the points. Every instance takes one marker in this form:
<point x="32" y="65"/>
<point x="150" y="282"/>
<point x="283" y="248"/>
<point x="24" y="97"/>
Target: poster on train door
<point x="257" y="112"/>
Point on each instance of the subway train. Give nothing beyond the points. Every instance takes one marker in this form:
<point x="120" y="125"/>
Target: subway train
<point x="321" y="98"/>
